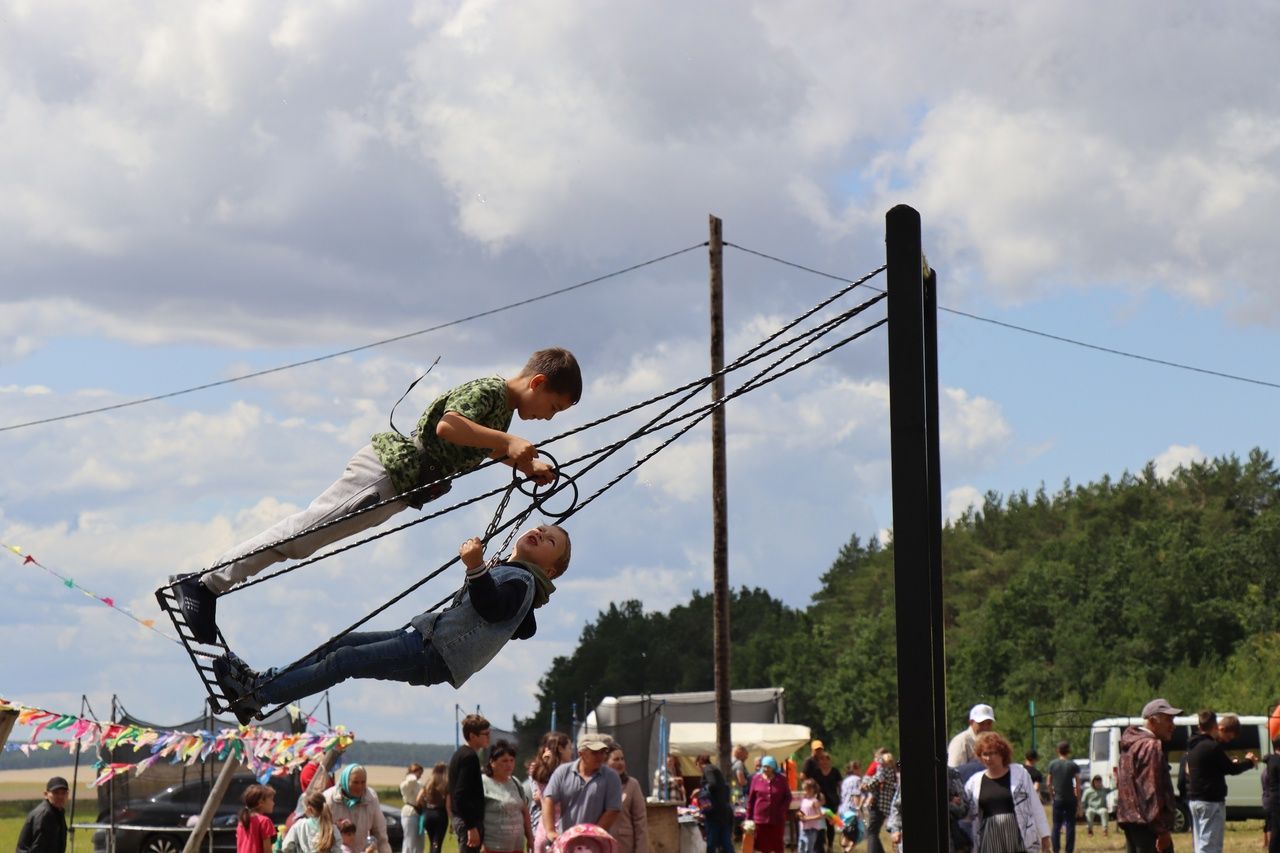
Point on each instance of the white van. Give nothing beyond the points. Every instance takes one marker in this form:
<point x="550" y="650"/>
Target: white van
<point x="1244" y="792"/>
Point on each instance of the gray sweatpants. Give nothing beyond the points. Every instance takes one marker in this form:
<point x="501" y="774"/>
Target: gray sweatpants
<point x="364" y="482"/>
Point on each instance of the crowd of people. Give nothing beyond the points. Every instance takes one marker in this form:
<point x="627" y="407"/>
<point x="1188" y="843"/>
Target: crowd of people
<point x="994" y="803"/>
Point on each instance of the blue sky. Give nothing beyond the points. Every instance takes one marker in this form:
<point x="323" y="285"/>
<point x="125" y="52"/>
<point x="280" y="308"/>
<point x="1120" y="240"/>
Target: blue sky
<point x="200" y="190"/>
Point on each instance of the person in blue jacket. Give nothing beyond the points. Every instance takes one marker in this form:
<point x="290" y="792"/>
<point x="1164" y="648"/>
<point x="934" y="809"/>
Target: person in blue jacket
<point x="437" y="647"/>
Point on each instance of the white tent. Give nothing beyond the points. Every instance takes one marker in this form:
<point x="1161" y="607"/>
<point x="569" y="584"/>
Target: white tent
<point x="689" y="740"/>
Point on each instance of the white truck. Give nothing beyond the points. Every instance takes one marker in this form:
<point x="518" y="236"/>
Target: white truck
<point x="1244" y="792"/>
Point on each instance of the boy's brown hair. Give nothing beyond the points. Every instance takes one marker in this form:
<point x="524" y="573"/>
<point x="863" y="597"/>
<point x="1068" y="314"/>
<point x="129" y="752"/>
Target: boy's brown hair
<point x="473" y="724"/>
<point x="563" y="562"/>
<point x="561" y="369"/>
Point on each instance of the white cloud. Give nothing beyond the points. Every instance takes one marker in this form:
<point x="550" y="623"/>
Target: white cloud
<point x="973" y="429"/>
<point x="959" y="500"/>
<point x="659" y="587"/>
<point x="1176" y="456"/>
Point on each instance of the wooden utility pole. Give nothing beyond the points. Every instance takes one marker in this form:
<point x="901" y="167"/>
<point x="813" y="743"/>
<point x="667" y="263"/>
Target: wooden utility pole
<point x="219" y="791"/>
<point x="719" y="502"/>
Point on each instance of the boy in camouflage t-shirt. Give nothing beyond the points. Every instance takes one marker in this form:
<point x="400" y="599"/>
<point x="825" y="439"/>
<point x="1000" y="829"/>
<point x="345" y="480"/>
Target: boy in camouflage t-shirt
<point x="459" y="430"/>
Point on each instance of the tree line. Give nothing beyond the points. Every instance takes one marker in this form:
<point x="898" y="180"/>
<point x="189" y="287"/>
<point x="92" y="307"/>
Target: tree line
<point x="1088" y="602"/>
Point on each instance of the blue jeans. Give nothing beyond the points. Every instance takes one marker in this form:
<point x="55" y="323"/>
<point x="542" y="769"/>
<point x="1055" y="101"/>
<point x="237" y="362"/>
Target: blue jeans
<point x="719" y="836"/>
<point x="398" y="655"/>
<point x="1064" y="815"/>
<point x="809" y="842"/>
<point x="1208" y="822"/>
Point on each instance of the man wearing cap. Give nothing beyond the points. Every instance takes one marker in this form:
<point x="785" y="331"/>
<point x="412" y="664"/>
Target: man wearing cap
<point x="45" y="829"/>
<point x="960" y="750"/>
<point x="587" y="790"/>
<point x="1145" y="805"/>
<point x="818" y="767"/>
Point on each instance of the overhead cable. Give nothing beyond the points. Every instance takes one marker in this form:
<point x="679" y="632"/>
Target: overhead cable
<point x="1024" y="329"/>
<point x="362" y="347"/>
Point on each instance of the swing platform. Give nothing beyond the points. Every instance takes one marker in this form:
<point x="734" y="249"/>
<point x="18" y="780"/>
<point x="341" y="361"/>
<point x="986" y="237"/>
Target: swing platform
<point x="202" y="660"/>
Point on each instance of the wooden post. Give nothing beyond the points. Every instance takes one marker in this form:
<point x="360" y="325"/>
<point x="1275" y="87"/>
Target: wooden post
<point x="219" y="791"/>
<point x="719" y="503"/>
<point x="915" y="541"/>
<point x="317" y="784"/>
<point x="7" y="719"/>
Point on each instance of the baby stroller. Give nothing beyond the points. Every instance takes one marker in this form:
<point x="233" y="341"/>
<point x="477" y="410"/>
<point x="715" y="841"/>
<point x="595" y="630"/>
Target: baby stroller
<point x="584" y="838"/>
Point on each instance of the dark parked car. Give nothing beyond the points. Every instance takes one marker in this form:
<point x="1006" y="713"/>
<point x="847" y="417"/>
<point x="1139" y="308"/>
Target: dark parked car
<point x="177" y="805"/>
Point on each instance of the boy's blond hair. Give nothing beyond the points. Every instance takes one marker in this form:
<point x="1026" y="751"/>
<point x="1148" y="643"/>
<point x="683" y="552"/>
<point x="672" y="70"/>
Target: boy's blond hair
<point x="561" y="369"/>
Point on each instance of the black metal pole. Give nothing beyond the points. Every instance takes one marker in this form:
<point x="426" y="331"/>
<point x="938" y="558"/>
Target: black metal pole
<point x="935" y="495"/>
<point x="923" y="785"/>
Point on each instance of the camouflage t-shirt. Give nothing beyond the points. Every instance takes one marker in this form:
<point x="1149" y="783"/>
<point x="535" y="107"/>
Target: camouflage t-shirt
<point x="481" y="401"/>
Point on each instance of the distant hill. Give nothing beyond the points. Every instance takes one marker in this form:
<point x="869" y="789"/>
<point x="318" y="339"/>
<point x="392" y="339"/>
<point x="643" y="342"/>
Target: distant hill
<point x="363" y="752"/>
<point x="393" y="753"/>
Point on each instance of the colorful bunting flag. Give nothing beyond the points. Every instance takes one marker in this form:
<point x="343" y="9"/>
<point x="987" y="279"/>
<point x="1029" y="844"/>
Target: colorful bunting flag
<point x="69" y="583"/>
<point x="266" y="753"/>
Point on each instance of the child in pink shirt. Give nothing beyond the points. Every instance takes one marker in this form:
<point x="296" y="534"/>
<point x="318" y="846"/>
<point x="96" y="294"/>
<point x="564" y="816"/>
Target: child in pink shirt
<point x="812" y="823"/>
<point x="255" y="830"/>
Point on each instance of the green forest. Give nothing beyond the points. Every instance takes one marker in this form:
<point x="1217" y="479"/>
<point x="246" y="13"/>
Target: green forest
<point x="1087" y="602"/>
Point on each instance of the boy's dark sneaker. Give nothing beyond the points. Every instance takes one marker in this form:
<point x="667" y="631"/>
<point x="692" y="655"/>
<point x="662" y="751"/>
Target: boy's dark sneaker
<point x="237" y="680"/>
<point x="198" y="604"/>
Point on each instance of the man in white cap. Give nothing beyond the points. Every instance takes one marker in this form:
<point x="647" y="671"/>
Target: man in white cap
<point x="1145" y="803"/>
<point x="587" y="790"/>
<point x="960" y="750"/>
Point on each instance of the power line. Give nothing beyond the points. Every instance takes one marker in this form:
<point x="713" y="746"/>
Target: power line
<point x="333" y="355"/>
<point x="1029" y="331"/>
<point x="1111" y="351"/>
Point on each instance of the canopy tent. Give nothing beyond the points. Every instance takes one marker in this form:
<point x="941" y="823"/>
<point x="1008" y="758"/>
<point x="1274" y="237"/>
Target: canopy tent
<point x="635" y="722"/>
<point x="689" y="740"/>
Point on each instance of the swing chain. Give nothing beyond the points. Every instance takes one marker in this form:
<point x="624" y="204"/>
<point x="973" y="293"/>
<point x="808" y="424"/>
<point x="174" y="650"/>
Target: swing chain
<point x="535" y="504"/>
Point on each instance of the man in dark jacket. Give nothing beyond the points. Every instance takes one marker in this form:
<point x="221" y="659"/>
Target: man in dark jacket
<point x="717" y="810"/>
<point x="1144" y="807"/>
<point x="45" y="829"/>
<point x="1202" y="778"/>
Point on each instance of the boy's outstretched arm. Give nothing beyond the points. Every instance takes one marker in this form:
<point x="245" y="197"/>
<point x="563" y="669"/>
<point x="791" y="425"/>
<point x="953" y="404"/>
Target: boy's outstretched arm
<point x="494" y="602"/>
<point x="511" y="449"/>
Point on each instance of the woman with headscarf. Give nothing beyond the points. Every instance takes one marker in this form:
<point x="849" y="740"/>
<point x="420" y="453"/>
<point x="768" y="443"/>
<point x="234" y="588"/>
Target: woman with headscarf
<point x="768" y="803"/>
<point x="353" y="799"/>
